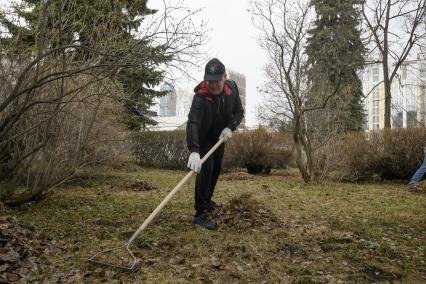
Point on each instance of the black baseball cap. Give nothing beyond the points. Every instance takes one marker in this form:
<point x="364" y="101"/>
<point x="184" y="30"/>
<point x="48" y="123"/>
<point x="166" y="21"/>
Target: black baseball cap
<point x="214" y="70"/>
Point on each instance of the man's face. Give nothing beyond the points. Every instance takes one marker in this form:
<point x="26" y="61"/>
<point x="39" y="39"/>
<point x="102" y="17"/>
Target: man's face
<point x="216" y="87"/>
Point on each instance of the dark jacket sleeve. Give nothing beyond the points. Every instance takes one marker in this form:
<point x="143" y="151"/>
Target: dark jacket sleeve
<point x="237" y="111"/>
<point x="195" y="117"/>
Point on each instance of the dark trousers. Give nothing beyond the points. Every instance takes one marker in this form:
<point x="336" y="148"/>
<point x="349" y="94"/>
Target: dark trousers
<point x="206" y="180"/>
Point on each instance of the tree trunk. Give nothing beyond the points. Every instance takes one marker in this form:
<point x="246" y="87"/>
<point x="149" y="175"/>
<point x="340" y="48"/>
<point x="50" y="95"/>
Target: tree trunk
<point x="388" y="102"/>
<point x="388" y="95"/>
<point x="386" y="79"/>
<point x="298" y="143"/>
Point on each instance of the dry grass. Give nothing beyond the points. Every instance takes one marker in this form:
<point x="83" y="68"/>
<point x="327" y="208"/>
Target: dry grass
<point x="282" y="231"/>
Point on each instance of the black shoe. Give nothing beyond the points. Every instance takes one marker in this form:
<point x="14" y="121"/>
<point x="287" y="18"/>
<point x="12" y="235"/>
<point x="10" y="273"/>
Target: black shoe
<point x="212" y="206"/>
<point x="203" y="221"/>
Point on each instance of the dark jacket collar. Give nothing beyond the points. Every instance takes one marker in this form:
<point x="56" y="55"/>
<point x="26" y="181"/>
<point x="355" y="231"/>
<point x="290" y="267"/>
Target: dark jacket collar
<point x="202" y="89"/>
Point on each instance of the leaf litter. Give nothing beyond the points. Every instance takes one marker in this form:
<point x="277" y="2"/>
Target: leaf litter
<point x="245" y="213"/>
<point x="20" y="250"/>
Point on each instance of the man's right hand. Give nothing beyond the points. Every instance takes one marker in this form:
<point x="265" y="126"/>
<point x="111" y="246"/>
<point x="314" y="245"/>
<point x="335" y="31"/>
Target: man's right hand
<point x="194" y="162"/>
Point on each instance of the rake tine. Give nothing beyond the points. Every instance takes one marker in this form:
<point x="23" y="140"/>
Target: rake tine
<point x="128" y="268"/>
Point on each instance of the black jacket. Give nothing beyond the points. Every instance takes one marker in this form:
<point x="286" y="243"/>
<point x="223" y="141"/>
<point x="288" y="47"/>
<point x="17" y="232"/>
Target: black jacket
<point x="203" y="111"/>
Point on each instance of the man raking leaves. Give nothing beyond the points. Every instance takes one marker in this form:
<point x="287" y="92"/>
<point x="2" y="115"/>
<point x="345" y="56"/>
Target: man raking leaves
<point x="216" y="111"/>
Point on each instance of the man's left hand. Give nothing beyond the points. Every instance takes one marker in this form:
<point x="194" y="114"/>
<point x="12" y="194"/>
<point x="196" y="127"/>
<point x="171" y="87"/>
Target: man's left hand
<point x="226" y="134"/>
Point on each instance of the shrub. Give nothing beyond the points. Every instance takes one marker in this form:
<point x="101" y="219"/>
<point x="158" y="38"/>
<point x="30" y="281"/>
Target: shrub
<point x="258" y="151"/>
<point x="162" y="149"/>
<point x="403" y="152"/>
<point x="355" y="158"/>
<point x="84" y="132"/>
<point x="388" y="154"/>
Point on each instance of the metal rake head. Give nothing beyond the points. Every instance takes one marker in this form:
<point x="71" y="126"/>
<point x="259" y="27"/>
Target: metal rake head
<point x="130" y="263"/>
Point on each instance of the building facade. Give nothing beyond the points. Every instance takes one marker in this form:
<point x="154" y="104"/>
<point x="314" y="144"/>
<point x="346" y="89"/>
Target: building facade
<point x="183" y="101"/>
<point x="167" y="103"/>
<point x="408" y="89"/>
<point x="240" y="79"/>
<point x="176" y="103"/>
<point x="173" y="108"/>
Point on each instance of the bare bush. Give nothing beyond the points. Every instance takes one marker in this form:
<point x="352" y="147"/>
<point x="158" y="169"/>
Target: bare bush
<point x="161" y="149"/>
<point x="388" y="154"/>
<point x="63" y="89"/>
<point x="258" y="151"/>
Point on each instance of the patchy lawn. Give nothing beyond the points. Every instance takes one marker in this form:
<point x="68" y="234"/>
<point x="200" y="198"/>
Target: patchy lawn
<point x="272" y="229"/>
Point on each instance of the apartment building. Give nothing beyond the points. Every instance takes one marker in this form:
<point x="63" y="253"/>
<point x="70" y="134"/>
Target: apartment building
<point x="408" y="105"/>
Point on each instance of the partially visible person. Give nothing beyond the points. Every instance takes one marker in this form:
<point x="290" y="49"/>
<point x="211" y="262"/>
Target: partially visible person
<point x="418" y="175"/>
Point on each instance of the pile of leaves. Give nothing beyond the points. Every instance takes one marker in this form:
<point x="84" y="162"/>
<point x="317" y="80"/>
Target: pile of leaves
<point x="244" y="213"/>
<point x="20" y="250"/>
<point x="142" y="185"/>
<point x="137" y="186"/>
<point x="236" y="176"/>
<point x="420" y="187"/>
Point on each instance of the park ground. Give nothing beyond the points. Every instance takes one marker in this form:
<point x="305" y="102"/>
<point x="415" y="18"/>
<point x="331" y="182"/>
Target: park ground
<point x="272" y="229"/>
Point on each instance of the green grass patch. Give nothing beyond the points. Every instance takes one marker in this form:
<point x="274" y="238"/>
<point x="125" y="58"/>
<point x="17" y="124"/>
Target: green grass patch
<point x="328" y="232"/>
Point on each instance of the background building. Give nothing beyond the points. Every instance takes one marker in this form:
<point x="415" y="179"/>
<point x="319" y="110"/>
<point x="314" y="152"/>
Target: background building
<point x="183" y="101"/>
<point x="240" y="79"/>
<point x="408" y="106"/>
<point x="167" y="104"/>
<point x="173" y="108"/>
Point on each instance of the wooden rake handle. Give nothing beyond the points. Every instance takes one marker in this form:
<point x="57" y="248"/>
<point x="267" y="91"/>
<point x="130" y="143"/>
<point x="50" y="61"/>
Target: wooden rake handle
<point x="170" y="195"/>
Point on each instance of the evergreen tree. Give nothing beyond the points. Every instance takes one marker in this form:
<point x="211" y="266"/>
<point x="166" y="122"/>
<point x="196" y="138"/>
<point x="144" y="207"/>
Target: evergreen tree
<point x="90" y="24"/>
<point x="335" y="55"/>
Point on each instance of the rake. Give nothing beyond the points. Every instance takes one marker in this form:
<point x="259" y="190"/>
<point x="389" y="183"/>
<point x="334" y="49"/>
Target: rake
<point x="126" y="246"/>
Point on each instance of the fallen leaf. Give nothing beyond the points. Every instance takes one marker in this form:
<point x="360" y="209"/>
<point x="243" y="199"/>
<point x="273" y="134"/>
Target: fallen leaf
<point x="11" y="256"/>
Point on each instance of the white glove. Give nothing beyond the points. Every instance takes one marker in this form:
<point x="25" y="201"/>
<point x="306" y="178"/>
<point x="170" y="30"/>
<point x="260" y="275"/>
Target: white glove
<point x="226" y="134"/>
<point x="194" y="162"/>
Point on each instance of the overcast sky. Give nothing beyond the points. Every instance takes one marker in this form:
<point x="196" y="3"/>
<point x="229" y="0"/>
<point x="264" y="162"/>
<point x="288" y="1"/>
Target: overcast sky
<point x="233" y="41"/>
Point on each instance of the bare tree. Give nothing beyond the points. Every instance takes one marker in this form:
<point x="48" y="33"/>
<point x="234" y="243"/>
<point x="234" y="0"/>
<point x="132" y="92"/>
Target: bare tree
<point x="283" y="25"/>
<point x="394" y="27"/>
<point x="53" y="100"/>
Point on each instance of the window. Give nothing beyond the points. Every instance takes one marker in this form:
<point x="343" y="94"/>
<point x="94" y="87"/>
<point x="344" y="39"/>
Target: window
<point x="376" y="93"/>
<point x="376" y="108"/>
<point x="404" y="72"/>
<point x="411" y="119"/>
<point x="397" y="120"/>
<point x="376" y="74"/>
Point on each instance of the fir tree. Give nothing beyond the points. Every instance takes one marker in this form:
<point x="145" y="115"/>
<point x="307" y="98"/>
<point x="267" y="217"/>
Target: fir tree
<point x="336" y="55"/>
<point x="90" y="24"/>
